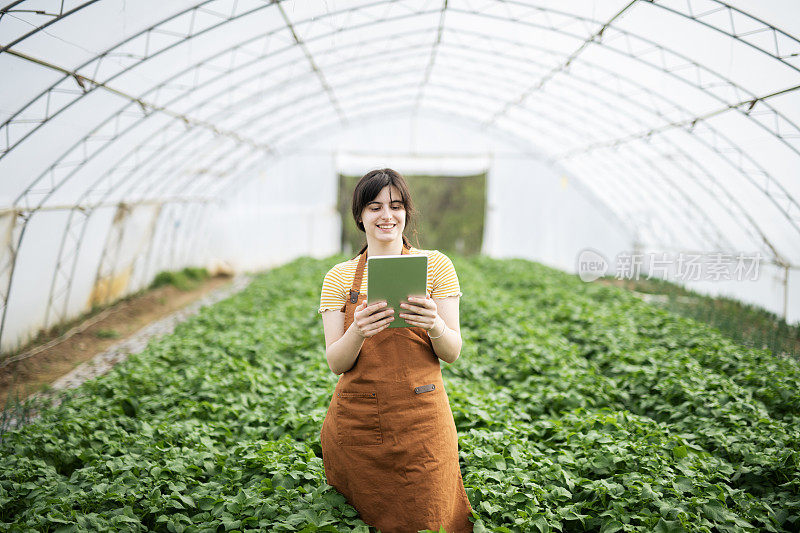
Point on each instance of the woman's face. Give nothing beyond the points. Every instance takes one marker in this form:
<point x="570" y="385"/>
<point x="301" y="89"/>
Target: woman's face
<point x="384" y="217"/>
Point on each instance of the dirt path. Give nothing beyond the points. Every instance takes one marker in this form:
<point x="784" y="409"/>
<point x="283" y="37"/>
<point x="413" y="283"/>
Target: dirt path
<point x="22" y="378"/>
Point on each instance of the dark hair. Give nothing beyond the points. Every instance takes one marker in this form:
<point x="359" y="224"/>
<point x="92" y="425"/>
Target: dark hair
<point x="370" y="185"/>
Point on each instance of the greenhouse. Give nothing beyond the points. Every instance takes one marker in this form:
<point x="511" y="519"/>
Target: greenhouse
<point x="608" y="197"/>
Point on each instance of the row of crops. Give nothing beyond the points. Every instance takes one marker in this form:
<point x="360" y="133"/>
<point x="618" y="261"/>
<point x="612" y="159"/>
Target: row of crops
<point x="579" y="408"/>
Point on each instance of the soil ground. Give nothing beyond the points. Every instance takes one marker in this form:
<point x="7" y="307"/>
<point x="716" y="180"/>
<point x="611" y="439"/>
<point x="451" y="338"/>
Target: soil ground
<point x="22" y="378"/>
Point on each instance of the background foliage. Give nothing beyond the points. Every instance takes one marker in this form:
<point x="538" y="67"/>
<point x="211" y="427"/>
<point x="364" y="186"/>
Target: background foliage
<point x="578" y="406"/>
<point x="747" y="324"/>
<point x="451" y="213"/>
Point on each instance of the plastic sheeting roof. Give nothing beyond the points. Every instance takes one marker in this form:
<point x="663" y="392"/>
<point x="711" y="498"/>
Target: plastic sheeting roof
<point x="682" y="116"/>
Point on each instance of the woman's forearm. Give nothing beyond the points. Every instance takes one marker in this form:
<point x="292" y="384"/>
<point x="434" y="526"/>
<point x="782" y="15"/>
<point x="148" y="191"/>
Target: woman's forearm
<point x="342" y="354"/>
<point x="448" y="346"/>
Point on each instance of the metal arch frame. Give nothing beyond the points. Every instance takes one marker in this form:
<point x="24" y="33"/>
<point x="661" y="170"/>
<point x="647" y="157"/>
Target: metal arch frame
<point x="417" y="13"/>
<point x="525" y="148"/>
<point x="301" y="44"/>
<point x="12" y="253"/>
<point x="685" y="201"/>
<point x="751" y="102"/>
<point x="787" y="196"/>
<point x="724" y="207"/>
<point x="63" y="291"/>
<point x="4" y="11"/>
<point x="76" y="167"/>
<point x="772" y="198"/>
<point x="642" y="192"/>
<point x="670" y="188"/>
<point x="263" y="74"/>
<point x="698" y="71"/>
<point x="526" y="5"/>
<point x="72" y="236"/>
<point x="432" y="57"/>
<point x="56" y="292"/>
<point x="379" y="110"/>
<point x="682" y="207"/>
<point x="600" y="87"/>
<point x="223" y="155"/>
<point x="61" y="285"/>
<point x="765" y="27"/>
<point x="624" y="222"/>
<point x="643" y="196"/>
<point x="177" y="116"/>
<point x="559" y="68"/>
<point x="598" y="35"/>
<point x="238" y="182"/>
<point x="761" y="236"/>
<point x="171" y="170"/>
<point x="81" y="80"/>
<point x="573" y="77"/>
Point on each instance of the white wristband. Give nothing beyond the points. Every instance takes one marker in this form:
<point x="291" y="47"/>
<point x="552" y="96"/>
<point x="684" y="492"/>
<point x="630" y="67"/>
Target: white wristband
<point x="440" y="334"/>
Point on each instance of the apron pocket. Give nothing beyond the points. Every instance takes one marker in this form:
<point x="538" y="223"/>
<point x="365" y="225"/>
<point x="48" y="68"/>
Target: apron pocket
<point x="357" y="419"/>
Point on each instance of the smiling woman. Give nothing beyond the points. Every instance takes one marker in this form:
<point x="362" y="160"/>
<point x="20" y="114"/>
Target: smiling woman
<point x="389" y="441"/>
<point x="381" y="207"/>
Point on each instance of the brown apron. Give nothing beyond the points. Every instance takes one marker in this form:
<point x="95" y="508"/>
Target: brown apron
<point x="389" y="442"/>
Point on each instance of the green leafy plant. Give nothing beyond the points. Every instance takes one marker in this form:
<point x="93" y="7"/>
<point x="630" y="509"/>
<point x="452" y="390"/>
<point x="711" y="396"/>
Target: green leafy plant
<point x="746" y="324"/>
<point x="107" y="334"/>
<point x="579" y="408"/>
<point x="187" y="279"/>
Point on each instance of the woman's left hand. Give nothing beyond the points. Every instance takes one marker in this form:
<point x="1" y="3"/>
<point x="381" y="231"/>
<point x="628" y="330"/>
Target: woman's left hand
<point x="422" y="312"/>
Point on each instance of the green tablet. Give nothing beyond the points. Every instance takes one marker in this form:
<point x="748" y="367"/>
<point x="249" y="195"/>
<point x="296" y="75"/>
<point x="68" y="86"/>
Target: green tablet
<point x="394" y="278"/>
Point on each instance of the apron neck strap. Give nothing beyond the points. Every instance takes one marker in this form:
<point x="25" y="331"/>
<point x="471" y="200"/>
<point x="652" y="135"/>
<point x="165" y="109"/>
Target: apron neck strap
<point x="354" y="290"/>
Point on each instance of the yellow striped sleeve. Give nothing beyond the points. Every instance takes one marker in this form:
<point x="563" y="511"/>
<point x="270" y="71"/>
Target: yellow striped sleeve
<point x="334" y="289"/>
<point x="445" y="280"/>
<point x="442" y="280"/>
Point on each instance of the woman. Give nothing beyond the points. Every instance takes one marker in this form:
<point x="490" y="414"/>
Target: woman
<point x="389" y="442"/>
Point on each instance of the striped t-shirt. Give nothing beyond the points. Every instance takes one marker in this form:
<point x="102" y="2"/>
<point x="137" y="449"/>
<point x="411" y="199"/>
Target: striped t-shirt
<point x="442" y="280"/>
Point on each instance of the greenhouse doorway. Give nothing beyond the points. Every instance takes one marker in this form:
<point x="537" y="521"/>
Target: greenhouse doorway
<point x="451" y="213"/>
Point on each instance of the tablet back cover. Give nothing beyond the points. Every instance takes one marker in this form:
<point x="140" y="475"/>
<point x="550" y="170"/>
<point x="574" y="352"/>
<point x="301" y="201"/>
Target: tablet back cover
<point x="393" y="278"/>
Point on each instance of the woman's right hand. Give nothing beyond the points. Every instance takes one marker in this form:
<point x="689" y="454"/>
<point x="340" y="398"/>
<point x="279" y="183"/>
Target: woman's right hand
<point x="371" y="320"/>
